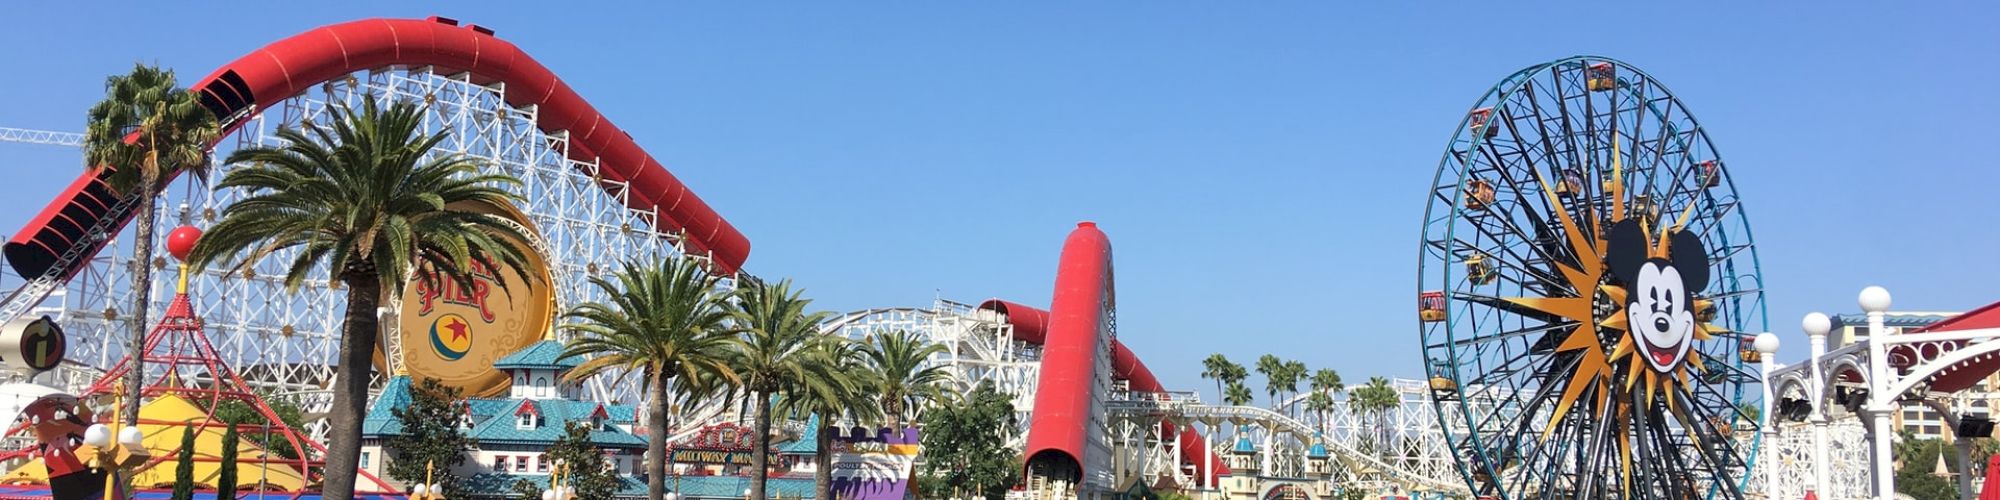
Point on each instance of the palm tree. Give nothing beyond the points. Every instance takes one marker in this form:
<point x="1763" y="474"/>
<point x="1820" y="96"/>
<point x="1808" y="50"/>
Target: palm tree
<point x="1325" y="381"/>
<point x="1273" y="370"/>
<point x="905" y="378"/>
<point x="1235" y="375"/>
<point x="1218" y="367"/>
<point x="778" y="353"/>
<point x="1319" y="403"/>
<point x="1237" y="394"/>
<point x="1375" y="399"/>
<point x="1294" y="373"/>
<point x="851" y="381"/>
<point x="665" y="321"/>
<point x="360" y="198"/>
<point x="170" y="134"/>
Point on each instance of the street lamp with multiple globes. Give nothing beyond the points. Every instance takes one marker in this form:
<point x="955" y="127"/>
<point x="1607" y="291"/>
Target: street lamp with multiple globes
<point x="428" y="490"/>
<point x="557" y="489"/>
<point x="127" y="453"/>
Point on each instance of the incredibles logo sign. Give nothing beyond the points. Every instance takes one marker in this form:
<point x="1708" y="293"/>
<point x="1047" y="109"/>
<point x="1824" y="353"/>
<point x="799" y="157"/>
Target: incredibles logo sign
<point x="32" y="346"/>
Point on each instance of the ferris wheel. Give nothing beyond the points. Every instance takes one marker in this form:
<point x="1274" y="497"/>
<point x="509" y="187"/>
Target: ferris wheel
<point x="1588" y="288"/>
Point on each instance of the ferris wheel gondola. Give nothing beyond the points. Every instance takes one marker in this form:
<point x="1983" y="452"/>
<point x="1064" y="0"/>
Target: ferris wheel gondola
<point x="1586" y="274"/>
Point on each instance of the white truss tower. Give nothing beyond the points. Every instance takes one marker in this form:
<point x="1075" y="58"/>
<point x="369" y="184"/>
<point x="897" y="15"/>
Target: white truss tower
<point x="283" y="342"/>
<point x="979" y="347"/>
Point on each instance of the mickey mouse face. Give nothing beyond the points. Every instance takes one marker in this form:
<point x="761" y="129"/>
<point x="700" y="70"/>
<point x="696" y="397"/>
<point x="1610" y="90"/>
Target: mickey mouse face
<point x="1659" y="297"/>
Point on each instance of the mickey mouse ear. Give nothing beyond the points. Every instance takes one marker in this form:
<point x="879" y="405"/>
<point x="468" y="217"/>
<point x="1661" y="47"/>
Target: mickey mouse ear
<point x="1626" y="249"/>
<point x="1690" y="258"/>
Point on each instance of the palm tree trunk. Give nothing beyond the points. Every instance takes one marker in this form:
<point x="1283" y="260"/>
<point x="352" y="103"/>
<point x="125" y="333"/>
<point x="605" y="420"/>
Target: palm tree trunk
<point x="656" y="440"/>
<point x="823" y="460"/>
<point x="142" y="296"/>
<point x="760" y="458"/>
<point x="350" y="382"/>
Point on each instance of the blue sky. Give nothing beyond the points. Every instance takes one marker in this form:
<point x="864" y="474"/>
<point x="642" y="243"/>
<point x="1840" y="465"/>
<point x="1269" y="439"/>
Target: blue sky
<point x="1260" y="168"/>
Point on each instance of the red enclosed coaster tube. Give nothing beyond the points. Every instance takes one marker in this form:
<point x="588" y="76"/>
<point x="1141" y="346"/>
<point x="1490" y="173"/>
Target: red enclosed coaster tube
<point x="1075" y="338"/>
<point x="288" y="67"/>
<point x="1083" y="294"/>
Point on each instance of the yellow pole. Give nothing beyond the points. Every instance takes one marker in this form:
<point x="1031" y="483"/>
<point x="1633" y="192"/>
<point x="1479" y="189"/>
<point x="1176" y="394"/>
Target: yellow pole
<point x="429" y="467"/>
<point x="111" y="473"/>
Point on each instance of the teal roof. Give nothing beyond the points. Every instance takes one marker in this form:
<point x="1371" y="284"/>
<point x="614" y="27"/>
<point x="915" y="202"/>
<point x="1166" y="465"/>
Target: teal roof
<point x="1892" y="320"/>
<point x="545" y="354"/>
<point x="1318" y="449"/>
<point x="731" y="487"/>
<point x="379" y="421"/>
<point x="501" y="428"/>
<point x="490" y="484"/>
<point x="494" y="419"/>
<point x="1243" y="445"/>
<point x="808" y="441"/>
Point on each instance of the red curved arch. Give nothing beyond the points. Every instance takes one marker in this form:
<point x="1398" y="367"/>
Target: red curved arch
<point x="1083" y="292"/>
<point x="284" y="69"/>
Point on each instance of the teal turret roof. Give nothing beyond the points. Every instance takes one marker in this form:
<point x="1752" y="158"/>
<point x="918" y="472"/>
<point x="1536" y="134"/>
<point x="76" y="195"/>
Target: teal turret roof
<point x="546" y="354"/>
<point x="1243" y="445"/>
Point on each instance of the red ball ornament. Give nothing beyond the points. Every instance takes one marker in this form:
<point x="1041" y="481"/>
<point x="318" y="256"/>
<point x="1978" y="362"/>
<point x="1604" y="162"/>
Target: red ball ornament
<point x="181" y="241"/>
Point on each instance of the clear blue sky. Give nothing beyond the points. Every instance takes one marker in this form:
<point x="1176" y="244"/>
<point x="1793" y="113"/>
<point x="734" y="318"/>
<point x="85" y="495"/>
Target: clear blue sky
<point x="1260" y="168"/>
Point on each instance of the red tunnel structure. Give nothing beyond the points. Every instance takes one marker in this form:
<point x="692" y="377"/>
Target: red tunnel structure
<point x="1069" y="332"/>
<point x="288" y="67"/>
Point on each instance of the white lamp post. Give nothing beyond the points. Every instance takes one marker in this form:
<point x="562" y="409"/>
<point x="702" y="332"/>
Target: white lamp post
<point x="1874" y="300"/>
<point x="1816" y="326"/>
<point x="1767" y="350"/>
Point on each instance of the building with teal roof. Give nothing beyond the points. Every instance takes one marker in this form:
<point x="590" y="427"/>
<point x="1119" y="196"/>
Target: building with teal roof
<point x="510" y="434"/>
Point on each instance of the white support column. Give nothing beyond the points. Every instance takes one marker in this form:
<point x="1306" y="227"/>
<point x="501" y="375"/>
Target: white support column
<point x="1816" y="326"/>
<point x="1268" y="445"/>
<point x="1767" y="349"/>
<point x="1875" y="301"/>
<point x="1208" y="444"/>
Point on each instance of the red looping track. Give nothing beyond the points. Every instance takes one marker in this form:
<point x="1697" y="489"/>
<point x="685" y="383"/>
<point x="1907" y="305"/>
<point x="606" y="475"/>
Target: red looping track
<point x="1068" y="332"/>
<point x="288" y="67"/>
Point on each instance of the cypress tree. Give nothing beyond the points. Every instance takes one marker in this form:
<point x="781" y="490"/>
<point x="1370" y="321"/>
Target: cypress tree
<point x="184" y="467"/>
<point x="225" y="480"/>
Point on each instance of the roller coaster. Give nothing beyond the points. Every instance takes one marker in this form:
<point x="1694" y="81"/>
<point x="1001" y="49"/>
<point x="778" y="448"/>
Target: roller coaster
<point x="1092" y="418"/>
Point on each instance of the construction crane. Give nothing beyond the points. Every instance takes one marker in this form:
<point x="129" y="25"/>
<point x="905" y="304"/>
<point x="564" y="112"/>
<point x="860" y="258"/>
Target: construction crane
<point x="8" y="134"/>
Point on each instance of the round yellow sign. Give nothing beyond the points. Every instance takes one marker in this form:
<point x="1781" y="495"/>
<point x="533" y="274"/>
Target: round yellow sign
<point x="454" y="331"/>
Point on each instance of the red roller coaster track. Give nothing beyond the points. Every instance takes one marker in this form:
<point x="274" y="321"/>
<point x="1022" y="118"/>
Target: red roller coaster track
<point x="1068" y="333"/>
<point x="283" y="69"/>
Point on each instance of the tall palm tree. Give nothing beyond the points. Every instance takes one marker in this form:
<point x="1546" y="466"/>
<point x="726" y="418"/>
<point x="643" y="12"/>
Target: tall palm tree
<point x="905" y="379"/>
<point x="1235" y="375"/>
<point x="365" y="198"/>
<point x="1319" y="403"/>
<point x="1273" y="370"/>
<point x="1325" y="381"/>
<point x="1218" y="368"/>
<point x="778" y="353"/>
<point x="1237" y="394"/>
<point x="666" y="322"/>
<point x="1294" y="373"/>
<point x="170" y="134"/>
<point x="1375" y="399"/>
<point x="851" y="381"/>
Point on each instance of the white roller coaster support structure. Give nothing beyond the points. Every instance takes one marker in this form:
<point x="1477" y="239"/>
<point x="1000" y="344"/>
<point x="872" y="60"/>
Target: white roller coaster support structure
<point x="71" y="139"/>
<point x="282" y="341"/>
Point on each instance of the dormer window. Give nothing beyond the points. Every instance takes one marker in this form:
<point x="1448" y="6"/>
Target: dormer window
<point x="527" y="417"/>
<point x="600" y="419"/>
